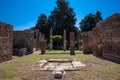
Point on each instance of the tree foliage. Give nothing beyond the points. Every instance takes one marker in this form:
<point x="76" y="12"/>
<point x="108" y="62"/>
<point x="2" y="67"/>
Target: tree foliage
<point x="63" y="17"/>
<point x="57" y="41"/>
<point x="43" y="25"/>
<point x="41" y="22"/>
<point x="89" y="22"/>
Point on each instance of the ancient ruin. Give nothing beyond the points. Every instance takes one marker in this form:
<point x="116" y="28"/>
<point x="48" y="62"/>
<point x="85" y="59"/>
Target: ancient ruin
<point x="23" y="39"/>
<point x="54" y="64"/>
<point x="43" y="46"/>
<point x="64" y="40"/>
<point x="6" y="42"/>
<point x="104" y="39"/>
<point x="37" y="39"/>
<point x="51" y="41"/>
<point x="72" y="44"/>
<point x="87" y="42"/>
<point x="80" y="40"/>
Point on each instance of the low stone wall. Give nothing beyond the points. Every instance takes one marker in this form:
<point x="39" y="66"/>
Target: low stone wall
<point x="6" y="42"/>
<point x="23" y="39"/>
<point x="104" y="40"/>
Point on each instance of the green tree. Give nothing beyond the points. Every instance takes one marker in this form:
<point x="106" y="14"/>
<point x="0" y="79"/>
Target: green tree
<point x="98" y="16"/>
<point x="63" y="17"/>
<point x="57" y="40"/>
<point x="89" y="22"/>
<point x="43" y="25"/>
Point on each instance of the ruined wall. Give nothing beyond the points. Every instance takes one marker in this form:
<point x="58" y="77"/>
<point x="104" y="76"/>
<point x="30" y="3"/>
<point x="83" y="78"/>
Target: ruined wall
<point x="111" y="38"/>
<point x="87" y="42"/>
<point x="23" y="39"/>
<point x="97" y="39"/>
<point x="6" y="42"/>
<point x="38" y="38"/>
<point x="105" y="40"/>
<point x="72" y="43"/>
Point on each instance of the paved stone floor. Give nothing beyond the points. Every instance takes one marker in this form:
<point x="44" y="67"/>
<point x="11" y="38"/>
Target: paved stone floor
<point x="52" y="64"/>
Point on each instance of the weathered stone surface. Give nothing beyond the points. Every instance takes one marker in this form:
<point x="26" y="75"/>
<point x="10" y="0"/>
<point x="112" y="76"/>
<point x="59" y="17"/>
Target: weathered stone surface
<point x="51" y="41"/>
<point x="24" y="39"/>
<point x="72" y="43"/>
<point x="37" y="46"/>
<point x="34" y="45"/>
<point x="87" y="42"/>
<point x="22" y="52"/>
<point x="38" y="37"/>
<point x="43" y="46"/>
<point x="55" y="64"/>
<point x="97" y="39"/>
<point x="65" y="41"/>
<point x="77" y="64"/>
<point x="105" y="39"/>
<point x="16" y="51"/>
<point x="6" y="42"/>
<point x="111" y="38"/>
<point x="59" y="73"/>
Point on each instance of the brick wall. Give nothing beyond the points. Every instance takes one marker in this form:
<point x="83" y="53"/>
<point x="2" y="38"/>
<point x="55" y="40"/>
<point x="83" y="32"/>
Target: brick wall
<point x="111" y="38"/>
<point x="6" y="42"/>
<point x="105" y="39"/>
<point x="87" y="42"/>
<point x="23" y="39"/>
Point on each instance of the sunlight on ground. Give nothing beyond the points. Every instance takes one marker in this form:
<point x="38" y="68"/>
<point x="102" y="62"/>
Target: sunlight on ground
<point x="98" y="69"/>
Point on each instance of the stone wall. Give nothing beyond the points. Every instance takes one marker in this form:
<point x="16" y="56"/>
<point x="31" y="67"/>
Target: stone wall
<point x="111" y="38"/>
<point x="23" y="39"/>
<point x="105" y="39"/>
<point x="97" y="39"/>
<point x="6" y="42"/>
<point x="38" y="38"/>
<point x="87" y="42"/>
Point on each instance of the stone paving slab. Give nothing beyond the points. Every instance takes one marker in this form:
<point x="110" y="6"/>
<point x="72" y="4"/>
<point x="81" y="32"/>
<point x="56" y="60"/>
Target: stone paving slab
<point x="52" y="64"/>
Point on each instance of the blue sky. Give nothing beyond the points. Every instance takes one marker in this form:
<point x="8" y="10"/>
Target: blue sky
<point x="23" y="14"/>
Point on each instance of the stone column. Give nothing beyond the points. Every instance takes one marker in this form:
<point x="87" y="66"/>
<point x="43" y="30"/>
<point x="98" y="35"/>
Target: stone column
<point x="37" y="39"/>
<point x="40" y="39"/>
<point x="65" y="41"/>
<point x="43" y="46"/>
<point x="72" y="43"/>
<point x="34" y="45"/>
<point x="51" y="41"/>
<point x="80" y="40"/>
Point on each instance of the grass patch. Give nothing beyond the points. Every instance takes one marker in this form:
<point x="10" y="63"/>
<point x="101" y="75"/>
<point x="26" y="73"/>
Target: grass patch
<point x="98" y="69"/>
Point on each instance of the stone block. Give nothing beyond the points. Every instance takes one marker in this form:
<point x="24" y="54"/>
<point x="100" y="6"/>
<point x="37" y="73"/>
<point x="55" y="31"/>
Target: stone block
<point x="22" y="51"/>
